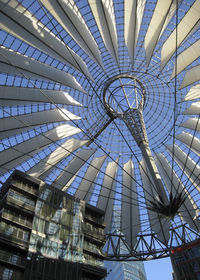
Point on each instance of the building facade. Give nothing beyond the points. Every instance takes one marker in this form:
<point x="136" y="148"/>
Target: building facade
<point x="48" y="234"/>
<point x="186" y="261"/>
<point x="123" y="270"/>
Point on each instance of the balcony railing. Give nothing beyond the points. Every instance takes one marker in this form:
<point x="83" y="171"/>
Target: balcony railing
<point x="16" y="219"/>
<point x="20" y="203"/>
<point x="11" y="258"/>
<point x="24" y="187"/>
<point x="13" y="239"/>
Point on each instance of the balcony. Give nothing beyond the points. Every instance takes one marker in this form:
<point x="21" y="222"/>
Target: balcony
<point x="13" y="259"/>
<point x="17" y="220"/>
<point x="96" y="236"/>
<point x="12" y="240"/>
<point x="95" y="220"/>
<point x="26" y="188"/>
<point x="93" y="251"/>
<point x="19" y="203"/>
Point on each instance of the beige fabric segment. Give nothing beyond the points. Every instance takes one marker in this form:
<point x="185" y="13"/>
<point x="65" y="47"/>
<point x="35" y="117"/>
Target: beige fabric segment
<point x="190" y="141"/>
<point x="71" y="20"/>
<point x="23" y="25"/>
<point x="73" y="167"/>
<point x="84" y="190"/>
<point x="18" y="95"/>
<point x="170" y="14"/>
<point x="187" y="165"/>
<point x="192" y="123"/>
<point x="158" y="225"/>
<point x="133" y="14"/>
<point x="103" y="12"/>
<point x="14" y="156"/>
<point x="12" y="70"/>
<point x="37" y="118"/>
<point x="17" y="60"/>
<point x="107" y="193"/>
<point x="45" y="166"/>
<point x="194" y="109"/>
<point x="191" y="76"/>
<point x="193" y="93"/>
<point x="186" y="26"/>
<point x="155" y="27"/>
<point x="130" y="222"/>
<point x="187" y="57"/>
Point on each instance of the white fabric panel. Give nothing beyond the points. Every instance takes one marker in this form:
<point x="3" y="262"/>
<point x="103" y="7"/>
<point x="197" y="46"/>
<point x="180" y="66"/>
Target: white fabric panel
<point x="140" y="11"/>
<point x="69" y="17"/>
<point x="158" y="225"/>
<point x="170" y="14"/>
<point x="90" y="193"/>
<point x="14" y="156"/>
<point x="189" y="210"/>
<point x="103" y="12"/>
<point x="192" y="123"/>
<point x="23" y="62"/>
<point x="130" y="211"/>
<point x="194" y="109"/>
<point x="189" y="167"/>
<point x="133" y="13"/>
<point x="84" y="190"/>
<point x="152" y="169"/>
<point x="45" y="166"/>
<point x="186" y="26"/>
<point x="37" y="118"/>
<point x="18" y="95"/>
<point x="107" y="193"/>
<point x="187" y="57"/>
<point x="155" y="27"/>
<point x="191" y="76"/>
<point x="37" y="35"/>
<point x="193" y="93"/>
<point x="12" y="70"/>
<point x="14" y="132"/>
<point x="190" y="141"/>
<point x="72" y="168"/>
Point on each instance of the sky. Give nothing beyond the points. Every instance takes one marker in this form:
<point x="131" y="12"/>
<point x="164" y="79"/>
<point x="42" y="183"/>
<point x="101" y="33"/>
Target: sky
<point x="158" y="269"/>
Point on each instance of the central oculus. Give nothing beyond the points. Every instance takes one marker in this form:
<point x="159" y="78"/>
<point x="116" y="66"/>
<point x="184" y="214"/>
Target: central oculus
<point x="123" y="93"/>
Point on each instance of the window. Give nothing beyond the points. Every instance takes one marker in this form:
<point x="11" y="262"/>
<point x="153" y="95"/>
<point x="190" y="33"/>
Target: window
<point x="57" y="216"/>
<point x="16" y="217"/>
<point x="21" y="198"/>
<point x="38" y="224"/>
<point x="52" y="229"/>
<point x="14" y="231"/>
<point x="6" y="274"/>
<point x="39" y="206"/>
<point x="44" y="194"/>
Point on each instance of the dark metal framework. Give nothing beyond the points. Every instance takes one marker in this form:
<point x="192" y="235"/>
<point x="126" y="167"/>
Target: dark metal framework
<point x="148" y="246"/>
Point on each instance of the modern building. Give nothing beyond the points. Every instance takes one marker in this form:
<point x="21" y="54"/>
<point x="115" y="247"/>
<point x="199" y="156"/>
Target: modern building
<point x="186" y="261"/>
<point x="123" y="270"/>
<point x="48" y="234"/>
